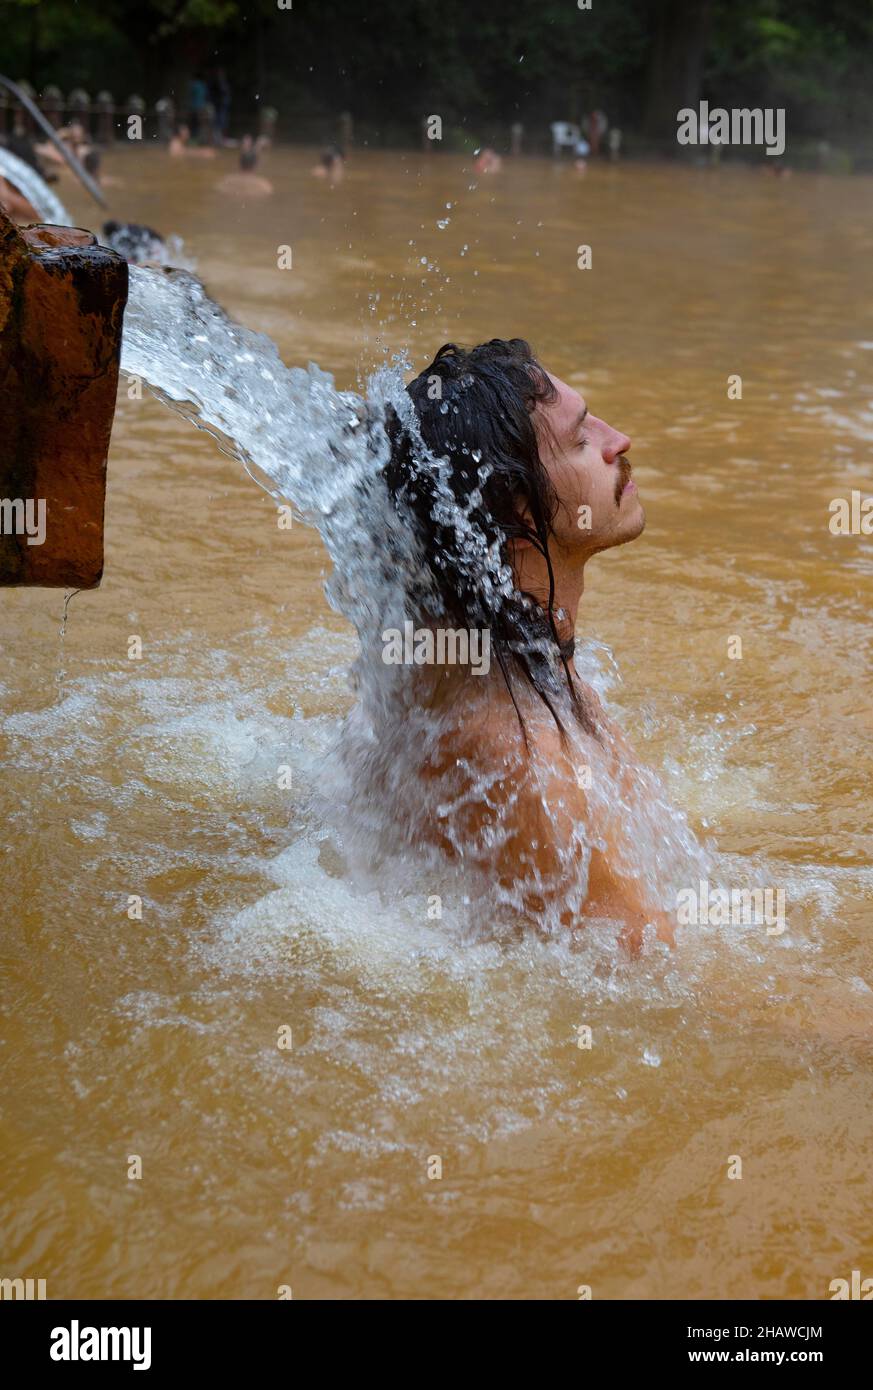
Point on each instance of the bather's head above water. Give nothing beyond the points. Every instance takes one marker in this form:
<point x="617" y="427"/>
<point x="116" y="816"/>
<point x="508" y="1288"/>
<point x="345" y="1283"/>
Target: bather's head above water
<point x="517" y="486"/>
<point x="248" y="155"/>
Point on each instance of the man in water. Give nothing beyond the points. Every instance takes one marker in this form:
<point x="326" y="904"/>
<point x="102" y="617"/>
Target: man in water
<point x="180" y="145"/>
<point x="510" y="484"/>
<point x="247" y="183"/>
<point x="487" y="162"/>
<point x="331" y="165"/>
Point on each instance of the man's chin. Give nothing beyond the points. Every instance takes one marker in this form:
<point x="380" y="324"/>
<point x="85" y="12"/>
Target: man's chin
<point x="629" y="524"/>
<point x="632" y="524"/>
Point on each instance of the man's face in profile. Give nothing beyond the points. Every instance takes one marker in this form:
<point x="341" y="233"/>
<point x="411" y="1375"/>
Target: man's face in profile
<point x="585" y="459"/>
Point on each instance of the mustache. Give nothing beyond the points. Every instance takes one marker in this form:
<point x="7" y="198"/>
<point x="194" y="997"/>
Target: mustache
<point x="624" y="476"/>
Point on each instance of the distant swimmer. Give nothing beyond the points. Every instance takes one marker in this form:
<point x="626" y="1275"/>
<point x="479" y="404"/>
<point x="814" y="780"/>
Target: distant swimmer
<point x="93" y="165"/>
<point x="75" y="136"/>
<point x="180" y="145"/>
<point x="516" y="767"/>
<point x="246" y="183"/>
<point x="487" y="162"/>
<point x="25" y="148"/>
<point x="331" y="166"/>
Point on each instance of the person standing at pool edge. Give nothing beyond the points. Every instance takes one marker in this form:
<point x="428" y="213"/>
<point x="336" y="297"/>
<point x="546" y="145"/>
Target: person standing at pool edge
<point x="548" y="484"/>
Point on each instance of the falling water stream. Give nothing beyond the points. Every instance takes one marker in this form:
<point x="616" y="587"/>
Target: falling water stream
<point x="214" y="780"/>
<point x="34" y="188"/>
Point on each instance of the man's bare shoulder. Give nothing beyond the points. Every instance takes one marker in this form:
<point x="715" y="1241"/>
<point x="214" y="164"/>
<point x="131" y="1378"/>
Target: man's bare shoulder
<point x="541" y="762"/>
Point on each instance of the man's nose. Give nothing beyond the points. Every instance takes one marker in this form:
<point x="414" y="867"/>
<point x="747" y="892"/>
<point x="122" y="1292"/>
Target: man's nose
<point x="615" y="443"/>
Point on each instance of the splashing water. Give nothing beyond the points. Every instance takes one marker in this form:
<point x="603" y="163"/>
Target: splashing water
<point x="323" y="451"/>
<point x="142" y="246"/>
<point x="34" y="189"/>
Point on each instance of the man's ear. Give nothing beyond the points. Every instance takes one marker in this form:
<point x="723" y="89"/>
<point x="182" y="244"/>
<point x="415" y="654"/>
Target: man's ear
<point x="522" y="511"/>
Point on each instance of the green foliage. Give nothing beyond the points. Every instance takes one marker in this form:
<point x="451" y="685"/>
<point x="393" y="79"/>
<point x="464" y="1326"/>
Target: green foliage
<point x="480" y="66"/>
<point x="193" y="14"/>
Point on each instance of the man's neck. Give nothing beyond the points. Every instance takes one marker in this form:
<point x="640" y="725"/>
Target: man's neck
<point x="532" y="577"/>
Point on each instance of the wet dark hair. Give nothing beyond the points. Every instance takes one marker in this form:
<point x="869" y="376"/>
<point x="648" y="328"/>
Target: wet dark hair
<point x="475" y="413"/>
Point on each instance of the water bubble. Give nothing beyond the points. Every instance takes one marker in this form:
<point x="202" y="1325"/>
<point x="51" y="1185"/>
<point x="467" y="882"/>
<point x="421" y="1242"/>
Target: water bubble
<point x="651" y="1058"/>
<point x="443" y="222"/>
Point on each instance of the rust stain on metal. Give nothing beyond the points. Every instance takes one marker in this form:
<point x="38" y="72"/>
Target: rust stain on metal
<point x="62" y="301"/>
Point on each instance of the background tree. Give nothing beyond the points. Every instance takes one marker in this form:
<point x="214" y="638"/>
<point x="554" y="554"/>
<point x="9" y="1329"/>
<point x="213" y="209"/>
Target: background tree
<point x="481" y="66"/>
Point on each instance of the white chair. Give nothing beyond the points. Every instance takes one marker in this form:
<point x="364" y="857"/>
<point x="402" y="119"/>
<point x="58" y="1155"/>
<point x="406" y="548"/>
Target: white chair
<point x="564" y="136"/>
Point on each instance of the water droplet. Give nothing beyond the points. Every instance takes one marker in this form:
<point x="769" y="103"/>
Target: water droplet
<point x="651" y="1058"/>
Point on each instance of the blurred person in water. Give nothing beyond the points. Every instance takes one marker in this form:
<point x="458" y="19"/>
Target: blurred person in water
<point x="331" y="165"/>
<point x="93" y="164"/>
<point x="523" y="471"/>
<point x="180" y="145"/>
<point x="247" y="182"/>
<point x="487" y="162"/>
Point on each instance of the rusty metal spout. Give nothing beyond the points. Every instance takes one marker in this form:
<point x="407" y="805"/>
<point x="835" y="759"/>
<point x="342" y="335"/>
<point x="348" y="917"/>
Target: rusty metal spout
<point x="62" y="299"/>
